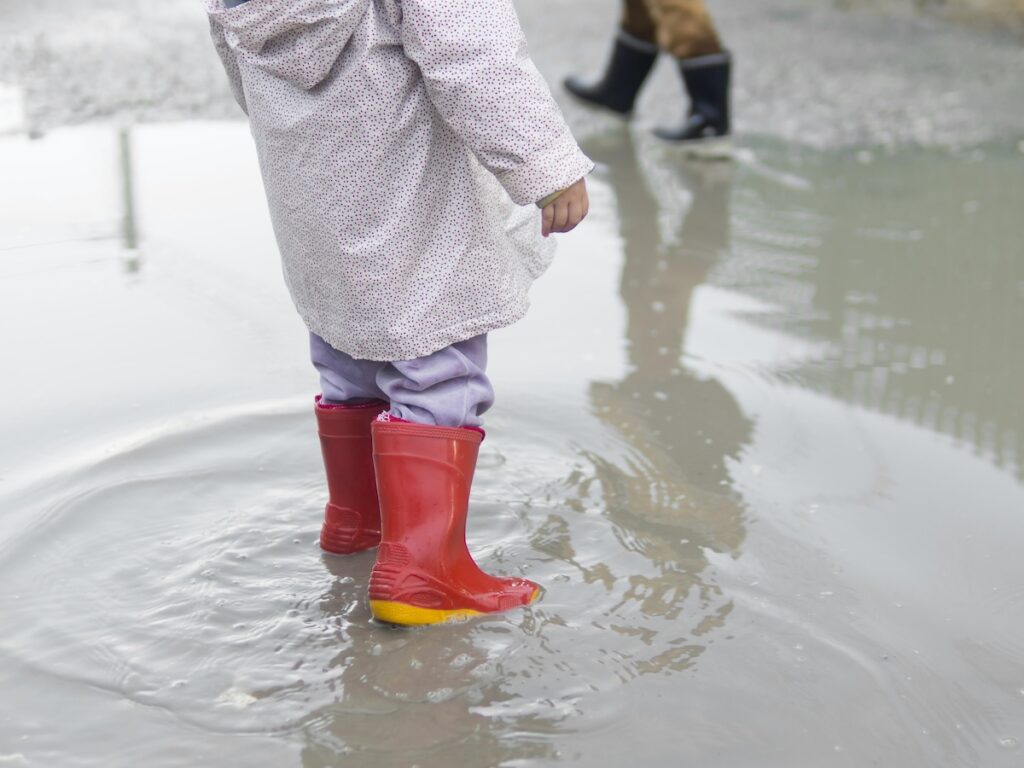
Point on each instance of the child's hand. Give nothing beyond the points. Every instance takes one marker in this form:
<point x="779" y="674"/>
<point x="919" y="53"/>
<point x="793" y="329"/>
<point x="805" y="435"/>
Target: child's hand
<point x="567" y="210"/>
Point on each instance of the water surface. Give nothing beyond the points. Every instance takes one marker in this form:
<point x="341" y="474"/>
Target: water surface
<point x="760" y="438"/>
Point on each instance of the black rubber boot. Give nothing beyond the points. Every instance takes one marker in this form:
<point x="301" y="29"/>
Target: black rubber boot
<point x="630" y="63"/>
<point x="707" y="83"/>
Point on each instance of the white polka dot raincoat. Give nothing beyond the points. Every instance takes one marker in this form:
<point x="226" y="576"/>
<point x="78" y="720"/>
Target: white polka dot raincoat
<point x="403" y="146"/>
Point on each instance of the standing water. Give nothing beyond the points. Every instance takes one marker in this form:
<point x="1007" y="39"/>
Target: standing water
<point x="760" y="438"/>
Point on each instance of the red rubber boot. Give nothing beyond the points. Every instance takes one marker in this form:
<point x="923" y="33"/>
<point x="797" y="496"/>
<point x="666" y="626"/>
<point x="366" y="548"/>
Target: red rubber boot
<point x="424" y="573"/>
<point x="352" y="517"/>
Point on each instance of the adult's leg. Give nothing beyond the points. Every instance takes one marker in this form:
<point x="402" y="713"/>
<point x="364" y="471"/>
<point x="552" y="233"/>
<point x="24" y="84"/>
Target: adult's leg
<point x="638" y="21"/>
<point x="683" y="28"/>
<point x="633" y="54"/>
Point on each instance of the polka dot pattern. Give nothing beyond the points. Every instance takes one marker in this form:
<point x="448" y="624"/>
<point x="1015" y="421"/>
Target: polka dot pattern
<point x="403" y="144"/>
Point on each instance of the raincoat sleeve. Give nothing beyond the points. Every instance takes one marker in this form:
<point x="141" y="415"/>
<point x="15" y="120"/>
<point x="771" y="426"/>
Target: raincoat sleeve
<point x="227" y="58"/>
<point x="480" y="78"/>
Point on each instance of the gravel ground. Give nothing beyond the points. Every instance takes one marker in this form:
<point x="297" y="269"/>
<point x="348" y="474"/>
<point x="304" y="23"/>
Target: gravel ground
<point x="807" y="72"/>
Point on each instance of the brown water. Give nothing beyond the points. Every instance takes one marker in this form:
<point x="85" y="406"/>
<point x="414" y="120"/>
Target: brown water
<point x="760" y="438"/>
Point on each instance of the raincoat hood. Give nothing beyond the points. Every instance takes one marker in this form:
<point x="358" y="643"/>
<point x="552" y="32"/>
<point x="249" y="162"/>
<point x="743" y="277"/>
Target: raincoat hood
<point x="268" y="31"/>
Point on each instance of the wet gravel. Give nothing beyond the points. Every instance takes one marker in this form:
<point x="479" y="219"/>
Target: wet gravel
<point x="807" y="72"/>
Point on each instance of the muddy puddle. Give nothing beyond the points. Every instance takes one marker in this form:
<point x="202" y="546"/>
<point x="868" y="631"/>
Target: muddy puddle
<point x="760" y="438"/>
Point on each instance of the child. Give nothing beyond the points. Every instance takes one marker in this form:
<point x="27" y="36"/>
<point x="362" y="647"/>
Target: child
<point x="397" y="140"/>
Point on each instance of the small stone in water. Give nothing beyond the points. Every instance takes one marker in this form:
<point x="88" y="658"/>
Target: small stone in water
<point x="234" y="697"/>
<point x="1008" y="743"/>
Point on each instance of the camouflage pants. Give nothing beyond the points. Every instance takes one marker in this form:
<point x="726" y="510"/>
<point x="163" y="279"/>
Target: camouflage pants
<point x="683" y="28"/>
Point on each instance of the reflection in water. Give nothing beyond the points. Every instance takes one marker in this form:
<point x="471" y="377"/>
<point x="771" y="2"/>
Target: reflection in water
<point x="129" y="226"/>
<point x="218" y="613"/>
<point x="910" y="268"/>
<point x="162" y="593"/>
<point x="645" y="596"/>
<point x="668" y="494"/>
<point x="408" y="697"/>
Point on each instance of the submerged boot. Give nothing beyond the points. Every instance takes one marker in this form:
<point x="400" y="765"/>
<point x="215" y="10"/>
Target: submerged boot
<point x="706" y="129"/>
<point x="424" y="573"/>
<point x="352" y="517"/>
<point x="630" y="63"/>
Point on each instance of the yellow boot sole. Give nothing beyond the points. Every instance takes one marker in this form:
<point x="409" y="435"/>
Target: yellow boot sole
<point x="407" y="615"/>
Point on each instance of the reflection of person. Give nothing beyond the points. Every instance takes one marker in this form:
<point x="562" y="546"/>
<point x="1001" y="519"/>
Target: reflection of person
<point x="394" y="139"/>
<point x="439" y="688"/>
<point x="679" y="428"/>
<point x="682" y="28"/>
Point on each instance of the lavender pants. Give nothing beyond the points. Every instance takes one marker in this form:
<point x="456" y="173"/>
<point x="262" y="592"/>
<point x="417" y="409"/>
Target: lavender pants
<point x="447" y="388"/>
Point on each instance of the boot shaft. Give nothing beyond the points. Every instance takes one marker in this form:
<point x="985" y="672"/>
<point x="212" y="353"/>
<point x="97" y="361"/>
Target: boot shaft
<point x="628" y="67"/>
<point x="346" y="444"/>
<point x="707" y="80"/>
<point x="424" y="475"/>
